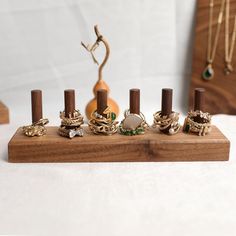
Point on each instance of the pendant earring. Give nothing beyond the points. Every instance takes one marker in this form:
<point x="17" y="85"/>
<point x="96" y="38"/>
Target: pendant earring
<point x="208" y="72"/>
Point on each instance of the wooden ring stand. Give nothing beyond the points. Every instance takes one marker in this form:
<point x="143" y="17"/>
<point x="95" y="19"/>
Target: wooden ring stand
<point x="150" y="147"/>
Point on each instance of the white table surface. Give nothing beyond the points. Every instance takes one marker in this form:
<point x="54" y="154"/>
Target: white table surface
<point x="195" y="198"/>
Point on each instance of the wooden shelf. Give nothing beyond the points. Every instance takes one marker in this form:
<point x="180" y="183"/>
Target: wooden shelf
<point x="4" y="114"/>
<point x="220" y="91"/>
<point x="150" y="147"/>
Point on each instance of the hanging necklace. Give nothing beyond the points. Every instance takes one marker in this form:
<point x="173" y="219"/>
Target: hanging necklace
<point x="208" y="72"/>
<point x="229" y="51"/>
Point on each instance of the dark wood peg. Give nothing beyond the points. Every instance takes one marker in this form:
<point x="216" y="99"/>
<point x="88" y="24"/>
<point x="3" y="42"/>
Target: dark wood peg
<point x="69" y="97"/>
<point x="199" y="99"/>
<point x="134" y="101"/>
<point x="36" y="104"/>
<point x="101" y="101"/>
<point x="166" y="102"/>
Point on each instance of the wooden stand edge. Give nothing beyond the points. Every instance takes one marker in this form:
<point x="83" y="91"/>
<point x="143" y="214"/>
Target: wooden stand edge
<point x="150" y="147"/>
<point x="4" y="114"/>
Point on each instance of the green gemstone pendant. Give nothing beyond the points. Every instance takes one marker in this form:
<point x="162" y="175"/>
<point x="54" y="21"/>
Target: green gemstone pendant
<point x="208" y="73"/>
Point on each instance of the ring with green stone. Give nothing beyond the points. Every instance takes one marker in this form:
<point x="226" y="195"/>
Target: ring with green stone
<point x="203" y="128"/>
<point x="133" y="124"/>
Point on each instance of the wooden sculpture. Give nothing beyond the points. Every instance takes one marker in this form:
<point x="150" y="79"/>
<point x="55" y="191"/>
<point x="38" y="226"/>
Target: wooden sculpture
<point x="101" y="84"/>
<point x="4" y="114"/>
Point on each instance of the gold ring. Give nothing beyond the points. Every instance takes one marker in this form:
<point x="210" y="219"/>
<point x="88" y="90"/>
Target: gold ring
<point x="133" y="124"/>
<point x="70" y="126"/>
<point x="203" y="128"/>
<point x="36" y="129"/>
<point x="170" y="122"/>
<point x="99" y="124"/>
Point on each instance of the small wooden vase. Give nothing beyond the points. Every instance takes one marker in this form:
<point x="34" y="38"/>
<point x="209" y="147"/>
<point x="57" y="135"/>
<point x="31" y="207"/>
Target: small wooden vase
<point x="101" y="84"/>
<point x="92" y="105"/>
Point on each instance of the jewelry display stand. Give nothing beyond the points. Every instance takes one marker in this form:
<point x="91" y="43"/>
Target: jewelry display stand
<point x="4" y="114"/>
<point x="221" y="95"/>
<point x="151" y="146"/>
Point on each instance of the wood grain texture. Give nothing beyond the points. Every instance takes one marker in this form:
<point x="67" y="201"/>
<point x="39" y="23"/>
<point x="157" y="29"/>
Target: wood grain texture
<point x="150" y="147"/>
<point x="69" y="100"/>
<point x="166" y="101"/>
<point x="4" y="114"/>
<point x="101" y="101"/>
<point x="36" y="105"/>
<point x="220" y="94"/>
<point x="134" y="101"/>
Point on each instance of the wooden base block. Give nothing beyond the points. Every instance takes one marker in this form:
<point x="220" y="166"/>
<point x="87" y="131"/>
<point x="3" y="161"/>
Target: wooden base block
<point x="151" y="146"/>
<point x="4" y="114"/>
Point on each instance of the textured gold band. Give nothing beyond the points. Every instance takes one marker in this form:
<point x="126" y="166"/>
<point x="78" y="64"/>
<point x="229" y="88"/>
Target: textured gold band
<point x="203" y="128"/>
<point x="70" y="126"/>
<point x="35" y="129"/>
<point x="170" y="122"/>
<point x="103" y="125"/>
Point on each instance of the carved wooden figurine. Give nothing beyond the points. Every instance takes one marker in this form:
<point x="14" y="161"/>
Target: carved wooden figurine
<point x="101" y="84"/>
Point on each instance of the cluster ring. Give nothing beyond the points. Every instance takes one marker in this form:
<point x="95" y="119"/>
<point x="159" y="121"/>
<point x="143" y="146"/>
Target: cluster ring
<point x="71" y="125"/>
<point x="36" y="128"/>
<point x="99" y="124"/>
<point x="203" y="128"/>
<point x="170" y="122"/>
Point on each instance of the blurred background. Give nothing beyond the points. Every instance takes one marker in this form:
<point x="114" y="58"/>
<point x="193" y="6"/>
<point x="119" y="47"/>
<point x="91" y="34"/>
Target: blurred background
<point x="151" y="48"/>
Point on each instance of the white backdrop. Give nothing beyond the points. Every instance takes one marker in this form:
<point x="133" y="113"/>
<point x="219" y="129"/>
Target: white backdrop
<point x="150" y="49"/>
<point x="40" y="48"/>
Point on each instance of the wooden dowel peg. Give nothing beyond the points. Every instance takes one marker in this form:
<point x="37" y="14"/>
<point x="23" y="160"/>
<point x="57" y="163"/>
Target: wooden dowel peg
<point x="69" y="97"/>
<point x="134" y="101"/>
<point x="199" y="99"/>
<point x="101" y="101"/>
<point x="36" y="104"/>
<point x="166" y="104"/>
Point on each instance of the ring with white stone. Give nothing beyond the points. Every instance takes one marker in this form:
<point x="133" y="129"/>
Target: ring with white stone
<point x="133" y="124"/>
<point x="170" y="122"/>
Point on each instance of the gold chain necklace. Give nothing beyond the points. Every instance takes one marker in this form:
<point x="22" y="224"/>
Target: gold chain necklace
<point x="208" y="72"/>
<point x="229" y="51"/>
